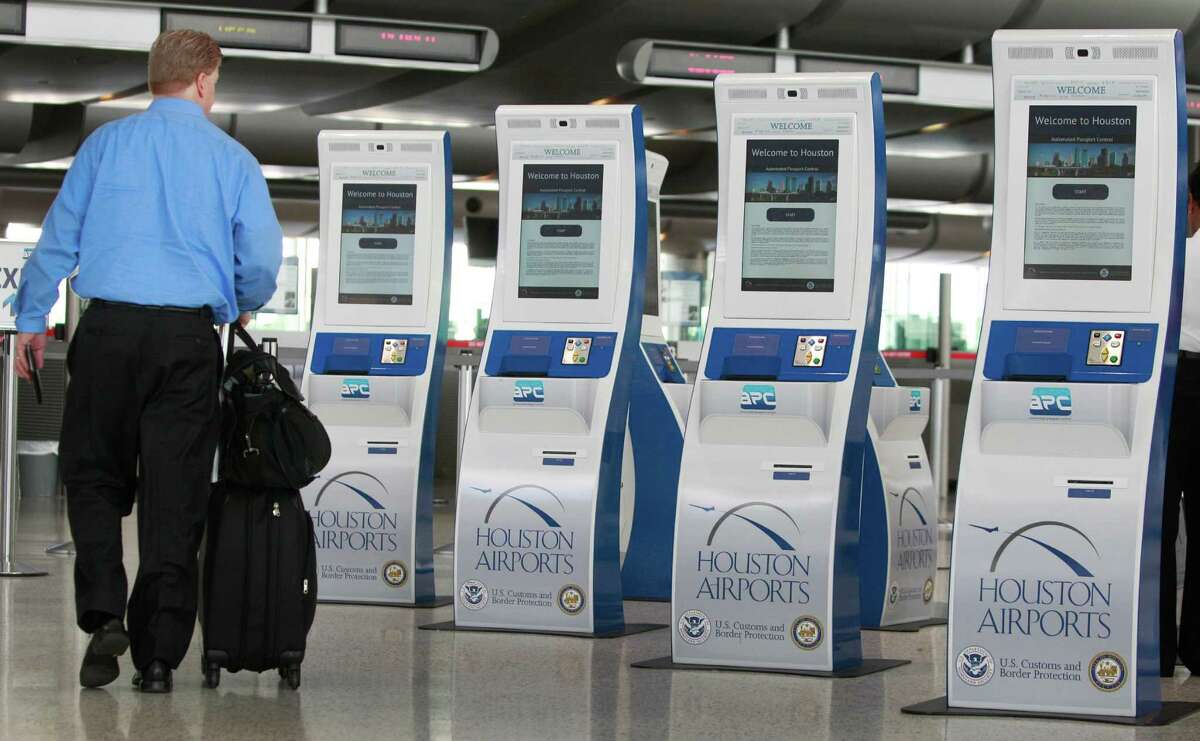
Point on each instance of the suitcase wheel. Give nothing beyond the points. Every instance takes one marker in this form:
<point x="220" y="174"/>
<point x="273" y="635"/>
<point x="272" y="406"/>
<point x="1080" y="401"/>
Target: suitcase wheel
<point x="212" y="674"/>
<point x="291" y="675"/>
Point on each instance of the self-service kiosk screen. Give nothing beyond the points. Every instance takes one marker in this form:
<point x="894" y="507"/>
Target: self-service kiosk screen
<point x="789" y="223"/>
<point x="1079" y="193"/>
<point x="561" y="206"/>
<point x="378" y="241"/>
<point x="650" y="305"/>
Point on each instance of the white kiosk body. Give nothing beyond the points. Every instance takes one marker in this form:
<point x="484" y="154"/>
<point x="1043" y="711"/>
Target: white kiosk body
<point x="767" y="523"/>
<point x="1054" y="590"/>
<point x="375" y="356"/>
<point x="537" y="541"/>
<point x="659" y="399"/>
<point x="897" y="552"/>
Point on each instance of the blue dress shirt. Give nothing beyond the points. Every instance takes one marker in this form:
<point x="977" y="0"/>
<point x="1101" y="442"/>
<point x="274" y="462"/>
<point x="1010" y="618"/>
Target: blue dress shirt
<point x="161" y="208"/>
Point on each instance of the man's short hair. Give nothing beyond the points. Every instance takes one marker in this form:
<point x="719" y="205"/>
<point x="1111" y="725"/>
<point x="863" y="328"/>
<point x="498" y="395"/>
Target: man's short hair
<point x="1194" y="184"/>
<point x="178" y="56"/>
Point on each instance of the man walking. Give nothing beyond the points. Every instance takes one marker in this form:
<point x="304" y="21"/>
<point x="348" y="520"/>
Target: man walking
<point x="1183" y="472"/>
<point x="170" y="225"/>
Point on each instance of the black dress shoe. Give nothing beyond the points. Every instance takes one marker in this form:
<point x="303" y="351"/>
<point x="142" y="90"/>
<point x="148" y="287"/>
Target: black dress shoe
<point x="100" y="659"/>
<point x="154" y="679"/>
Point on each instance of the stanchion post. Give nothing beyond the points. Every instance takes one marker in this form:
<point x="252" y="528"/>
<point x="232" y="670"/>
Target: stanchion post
<point x="8" y="469"/>
<point x="74" y="310"/>
<point x="940" y="429"/>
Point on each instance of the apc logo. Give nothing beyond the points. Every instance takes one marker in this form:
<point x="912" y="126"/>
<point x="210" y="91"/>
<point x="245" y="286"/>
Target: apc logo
<point x="356" y="388"/>
<point x="909" y="497"/>
<point x="525" y="494"/>
<point x="1050" y="401"/>
<point x="771" y="532"/>
<point x="529" y="392"/>
<point x="359" y="482"/>
<point x="914" y="401"/>
<point x="758" y="397"/>
<point x="1049" y="544"/>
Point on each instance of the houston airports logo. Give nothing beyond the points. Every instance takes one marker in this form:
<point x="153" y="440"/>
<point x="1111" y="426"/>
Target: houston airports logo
<point x="758" y="397"/>
<point x="1059" y="551"/>
<point x="694" y="627"/>
<point x="1062" y="599"/>
<point x="529" y="392"/>
<point x="975" y="666"/>
<point x="349" y="515"/>
<point x="356" y="388"/>
<point x="1050" y="401"/>
<point x="522" y="532"/>
<point x="757" y="558"/>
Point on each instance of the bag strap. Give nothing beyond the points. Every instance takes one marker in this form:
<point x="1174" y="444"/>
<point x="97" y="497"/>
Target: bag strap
<point x="279" y="374"/>
<point x="243" y="335"/>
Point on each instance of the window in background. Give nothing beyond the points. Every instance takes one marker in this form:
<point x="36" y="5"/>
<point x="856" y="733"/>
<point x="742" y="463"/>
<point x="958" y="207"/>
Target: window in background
<point x="470" y="296"/>
<point x="910" y="306"/>
<point x="32" y="233"/>
<point x="288" y="315"/>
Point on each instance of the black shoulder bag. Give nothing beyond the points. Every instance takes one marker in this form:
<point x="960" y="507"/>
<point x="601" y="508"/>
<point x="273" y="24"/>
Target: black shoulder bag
<point x="270" y="438"/>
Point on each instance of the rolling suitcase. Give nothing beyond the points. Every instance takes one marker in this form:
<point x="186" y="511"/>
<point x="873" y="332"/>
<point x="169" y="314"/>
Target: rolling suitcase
<point x="259" y="593"/>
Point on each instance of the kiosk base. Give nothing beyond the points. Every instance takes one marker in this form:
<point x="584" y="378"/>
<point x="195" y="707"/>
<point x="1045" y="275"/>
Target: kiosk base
<point x="1169" y="713"/>
<point x="868" y="666"/>
<point x="629" y="630"/>
<point x="912" y="627"/>
<point x="437" y="602"/>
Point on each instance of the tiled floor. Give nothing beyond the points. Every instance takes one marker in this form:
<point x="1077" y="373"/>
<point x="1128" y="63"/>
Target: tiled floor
<point x="371" y="674"/>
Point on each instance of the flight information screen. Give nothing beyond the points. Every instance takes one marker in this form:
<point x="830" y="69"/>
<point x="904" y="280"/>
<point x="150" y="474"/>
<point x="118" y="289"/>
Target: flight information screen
<point x="378" y="242"/>
<point x="789" y="226"/>
<point x="238" y="31"/>
<point x="1079" y="197"/>
<point x="561" y="209"/>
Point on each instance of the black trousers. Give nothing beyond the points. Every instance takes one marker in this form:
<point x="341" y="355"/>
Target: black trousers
<point x="1182" y="481"/>
<point x="141" y="422"/>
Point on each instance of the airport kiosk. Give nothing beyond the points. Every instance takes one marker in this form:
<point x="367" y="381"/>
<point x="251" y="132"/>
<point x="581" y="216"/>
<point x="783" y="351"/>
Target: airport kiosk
<point x="659" y="399"/>
<point x="375" y="356"/>
<point x="537" y="541"/>
<point x="898" y="531"/>
<point x="1055" y="560"/>
<point x="765" y="572"/>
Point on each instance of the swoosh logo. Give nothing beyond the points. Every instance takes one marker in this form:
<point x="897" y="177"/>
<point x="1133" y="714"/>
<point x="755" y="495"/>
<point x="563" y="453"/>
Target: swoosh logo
<point x="1072" y="563"/>
<point x="541" y="513"/>
<point x="374" y="503"/>
<point x="775" y="537"/>
<point x="905" y="498"/>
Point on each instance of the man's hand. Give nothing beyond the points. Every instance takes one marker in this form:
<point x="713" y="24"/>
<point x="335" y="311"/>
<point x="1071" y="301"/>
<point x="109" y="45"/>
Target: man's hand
<point x="245" y="318"/>
<point x="38" y="342"/>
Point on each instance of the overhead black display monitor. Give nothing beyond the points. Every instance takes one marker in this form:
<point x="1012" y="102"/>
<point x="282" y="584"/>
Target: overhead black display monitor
<point x="699" y="63"/>
<point x="1079" y="192"/>
<point x="561" y="209"/>
<point x="244" y="31"/>
<point x="378" y="244"/>
<point x="434" y="44"/>
<point x="12" y="17"/>
<point x="789" y="227"/>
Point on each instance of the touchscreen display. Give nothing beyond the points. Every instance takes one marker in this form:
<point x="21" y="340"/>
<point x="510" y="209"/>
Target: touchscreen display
<point x="560" y="231"/>
<point x="789" y="225"/>
<point x="1079" y="193"/>
<point x="378" y="242"/>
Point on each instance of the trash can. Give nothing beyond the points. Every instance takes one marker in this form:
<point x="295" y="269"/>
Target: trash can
<point x="37" y="467"/>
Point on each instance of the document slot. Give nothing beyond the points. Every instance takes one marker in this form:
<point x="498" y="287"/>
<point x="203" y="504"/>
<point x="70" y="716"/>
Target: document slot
<point x="1090" y="487"/>
<point x="791" y="471"/>
<point x="558" y="457"/>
